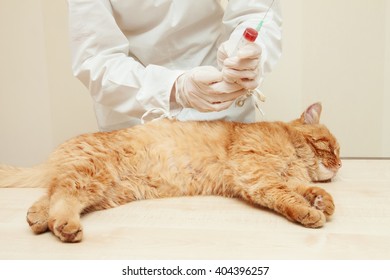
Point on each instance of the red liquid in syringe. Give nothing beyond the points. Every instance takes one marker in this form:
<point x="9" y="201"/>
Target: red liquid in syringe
<point x="249" y="36"/>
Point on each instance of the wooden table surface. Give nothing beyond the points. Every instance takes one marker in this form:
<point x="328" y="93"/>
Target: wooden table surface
<point x="215" y="227"/>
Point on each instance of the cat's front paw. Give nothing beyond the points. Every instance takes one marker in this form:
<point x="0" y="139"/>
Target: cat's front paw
<point x="320" y="200"/>
<point x="312" y="218"/>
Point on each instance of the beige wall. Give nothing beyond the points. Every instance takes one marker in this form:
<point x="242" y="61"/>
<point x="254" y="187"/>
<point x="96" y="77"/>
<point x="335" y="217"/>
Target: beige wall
<point x="337" y="52"/>
<point x="71" y="106"/>
<point x="41" y="104"/>
<point x="386" y="92"/>
<point x="25" y="121"/>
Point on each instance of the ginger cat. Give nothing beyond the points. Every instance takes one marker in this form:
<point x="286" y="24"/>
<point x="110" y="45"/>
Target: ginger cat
<point x="267" y="163"/>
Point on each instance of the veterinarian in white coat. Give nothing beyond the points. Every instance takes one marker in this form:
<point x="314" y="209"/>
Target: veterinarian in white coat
<point x="142" y="60"/>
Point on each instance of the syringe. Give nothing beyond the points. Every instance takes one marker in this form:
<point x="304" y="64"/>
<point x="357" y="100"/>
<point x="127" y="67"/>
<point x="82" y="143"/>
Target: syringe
<point x="250" y="34"/>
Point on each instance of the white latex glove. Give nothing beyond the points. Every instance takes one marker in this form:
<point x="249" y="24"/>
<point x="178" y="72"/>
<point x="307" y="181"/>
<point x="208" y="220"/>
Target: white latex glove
<point x="204" y="89"/>
<point x="242" y="68"/>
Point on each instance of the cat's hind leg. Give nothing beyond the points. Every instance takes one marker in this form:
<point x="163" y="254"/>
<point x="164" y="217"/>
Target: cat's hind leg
<point x="64" y="217"/>
<point x="318" y="198"/>
<point x="38" y="215"/>
<point x="287" y="202"/>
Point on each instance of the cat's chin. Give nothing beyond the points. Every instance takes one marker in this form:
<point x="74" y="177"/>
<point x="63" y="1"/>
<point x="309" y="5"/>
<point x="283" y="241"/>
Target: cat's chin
<point x="324" y="174"/>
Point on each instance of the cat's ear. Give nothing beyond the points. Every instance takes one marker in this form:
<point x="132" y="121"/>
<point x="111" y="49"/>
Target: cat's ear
<point x="312" y="114"/>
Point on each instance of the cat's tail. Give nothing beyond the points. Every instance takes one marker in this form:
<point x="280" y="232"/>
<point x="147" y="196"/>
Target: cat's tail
<point x="15" y="177"/>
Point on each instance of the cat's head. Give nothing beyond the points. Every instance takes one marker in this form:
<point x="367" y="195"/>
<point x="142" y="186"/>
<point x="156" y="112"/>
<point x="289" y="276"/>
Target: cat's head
<point x="322" y="143"/>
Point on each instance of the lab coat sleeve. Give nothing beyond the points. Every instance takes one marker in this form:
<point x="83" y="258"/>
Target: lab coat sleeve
<point x="242" y="14"/>
<point x="100" y="60"/>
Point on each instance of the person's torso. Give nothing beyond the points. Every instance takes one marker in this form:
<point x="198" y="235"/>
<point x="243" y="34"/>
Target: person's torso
<point x="177" y="34"/>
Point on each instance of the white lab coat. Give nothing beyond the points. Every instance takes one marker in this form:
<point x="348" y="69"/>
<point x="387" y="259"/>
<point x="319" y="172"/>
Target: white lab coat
<point x="129" y="53"/>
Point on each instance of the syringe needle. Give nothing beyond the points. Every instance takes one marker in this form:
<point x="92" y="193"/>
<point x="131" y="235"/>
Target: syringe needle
<point x="258" y="27"/>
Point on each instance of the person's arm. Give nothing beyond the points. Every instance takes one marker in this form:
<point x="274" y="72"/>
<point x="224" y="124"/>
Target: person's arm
<point x="100" y="60"/>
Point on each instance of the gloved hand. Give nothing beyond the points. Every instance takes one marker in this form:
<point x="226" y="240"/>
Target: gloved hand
<point x="242" y="68"/>
<point x="204" y="89"/>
